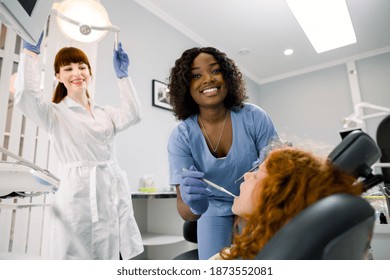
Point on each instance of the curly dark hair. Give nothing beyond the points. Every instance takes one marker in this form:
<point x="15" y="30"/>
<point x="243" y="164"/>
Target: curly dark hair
<point x="180" y="77"/>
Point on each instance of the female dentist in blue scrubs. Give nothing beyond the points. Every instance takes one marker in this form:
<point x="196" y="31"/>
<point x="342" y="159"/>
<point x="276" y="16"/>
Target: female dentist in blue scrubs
<point x="219" y="138"/>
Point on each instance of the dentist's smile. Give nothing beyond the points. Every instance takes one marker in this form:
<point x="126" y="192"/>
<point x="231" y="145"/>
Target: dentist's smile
<point x="210" y="91"/>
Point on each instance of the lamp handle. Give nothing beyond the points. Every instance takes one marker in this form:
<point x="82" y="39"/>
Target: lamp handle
<point x="75" y="22"/>
<point x="116" y="40"/>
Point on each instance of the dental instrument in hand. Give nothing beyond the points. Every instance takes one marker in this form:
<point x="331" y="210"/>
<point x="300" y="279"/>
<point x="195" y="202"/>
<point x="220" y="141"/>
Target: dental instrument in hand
<point x="217" y="187"/>
<point x="250" y="170"/>
<point x="273" y="144"/>
<point x="214" y="185"/>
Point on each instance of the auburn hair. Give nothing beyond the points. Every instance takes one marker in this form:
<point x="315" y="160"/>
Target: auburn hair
<point x="66" y="56"/>
<point x="294" y="180"/>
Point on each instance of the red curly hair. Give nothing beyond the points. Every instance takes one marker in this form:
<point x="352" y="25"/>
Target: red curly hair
<point x="294" y="180"/>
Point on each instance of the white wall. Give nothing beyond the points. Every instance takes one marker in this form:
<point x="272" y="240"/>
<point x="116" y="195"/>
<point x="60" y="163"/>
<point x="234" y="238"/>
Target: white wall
<point x="374" y="78"/>
<point x="309" y="108"/>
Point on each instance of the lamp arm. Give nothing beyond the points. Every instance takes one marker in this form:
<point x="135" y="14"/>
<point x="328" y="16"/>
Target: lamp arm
<point x="371" y="106"/>
<point x="358" y="117"/>
<point x="380" y="114"/>
<point x="112" y="28"/>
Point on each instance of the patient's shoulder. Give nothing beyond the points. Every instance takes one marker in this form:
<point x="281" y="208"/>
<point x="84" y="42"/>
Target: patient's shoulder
<point x="217" y="256"/>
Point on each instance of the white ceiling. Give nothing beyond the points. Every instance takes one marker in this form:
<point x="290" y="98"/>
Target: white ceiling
<point x="267" y="28"/>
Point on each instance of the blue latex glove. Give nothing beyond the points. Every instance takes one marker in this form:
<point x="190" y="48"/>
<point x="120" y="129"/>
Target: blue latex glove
<point x="34" y="48"/>
<point x="121" y="62"/>
<point x="194" y="191"/>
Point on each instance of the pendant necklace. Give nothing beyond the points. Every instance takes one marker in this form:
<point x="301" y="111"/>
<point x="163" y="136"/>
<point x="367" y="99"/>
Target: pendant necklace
<point x="220" y="135"/>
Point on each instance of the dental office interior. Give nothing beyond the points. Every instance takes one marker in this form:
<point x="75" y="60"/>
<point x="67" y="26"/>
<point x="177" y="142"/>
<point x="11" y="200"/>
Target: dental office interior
<point x="309" y="97"/>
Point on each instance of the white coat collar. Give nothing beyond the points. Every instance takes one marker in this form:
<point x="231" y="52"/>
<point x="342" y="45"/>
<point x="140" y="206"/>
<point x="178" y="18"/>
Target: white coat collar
<point x="69" y="102"/>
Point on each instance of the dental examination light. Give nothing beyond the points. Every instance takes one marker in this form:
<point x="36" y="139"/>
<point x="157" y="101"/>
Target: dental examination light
<point x="84" y="21"/>
<point x="357" y="117"/>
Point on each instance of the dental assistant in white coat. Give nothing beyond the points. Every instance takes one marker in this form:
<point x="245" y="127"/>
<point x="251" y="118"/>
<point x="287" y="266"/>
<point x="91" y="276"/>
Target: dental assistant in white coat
<point x="93" y="198"/>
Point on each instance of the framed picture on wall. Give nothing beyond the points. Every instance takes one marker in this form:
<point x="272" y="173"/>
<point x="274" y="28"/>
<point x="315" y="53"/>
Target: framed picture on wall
<point x="160" y="98"/>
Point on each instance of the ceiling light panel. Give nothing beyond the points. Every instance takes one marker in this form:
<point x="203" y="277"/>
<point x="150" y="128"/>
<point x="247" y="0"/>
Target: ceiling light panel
<point x="326" y="23"/>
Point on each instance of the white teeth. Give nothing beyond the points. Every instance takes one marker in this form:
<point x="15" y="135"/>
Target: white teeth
<point x="209" y="90"/>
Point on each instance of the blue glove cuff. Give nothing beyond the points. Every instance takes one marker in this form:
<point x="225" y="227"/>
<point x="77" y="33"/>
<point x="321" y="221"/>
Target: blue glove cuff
<point x="33" y="48"/>
<point x="121" y="75"/>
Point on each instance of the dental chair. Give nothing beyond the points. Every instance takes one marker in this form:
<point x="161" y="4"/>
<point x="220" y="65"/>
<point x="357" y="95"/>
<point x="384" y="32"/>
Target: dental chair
<point x="339" y="226"/>
<point x="383" y="140"/>
<point x="190" y="235"/>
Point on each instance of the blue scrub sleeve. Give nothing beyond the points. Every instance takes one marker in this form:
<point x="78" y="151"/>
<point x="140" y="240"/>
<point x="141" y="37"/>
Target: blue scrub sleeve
<point x="179" y="154"/>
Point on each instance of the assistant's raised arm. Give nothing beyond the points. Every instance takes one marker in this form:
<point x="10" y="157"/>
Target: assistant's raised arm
<point x="130" y="106"/>
<point x="28" y="96"/>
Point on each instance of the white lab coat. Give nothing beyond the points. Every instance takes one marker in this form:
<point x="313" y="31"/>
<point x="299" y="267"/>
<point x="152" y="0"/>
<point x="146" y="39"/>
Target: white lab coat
<point x="95" y="217"/>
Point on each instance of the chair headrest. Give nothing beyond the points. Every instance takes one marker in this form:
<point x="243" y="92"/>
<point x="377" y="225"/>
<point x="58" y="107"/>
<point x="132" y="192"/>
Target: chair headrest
<point x="355" y="154"/>
<point x="348" y="221"/>
<point x="383" y="140"/>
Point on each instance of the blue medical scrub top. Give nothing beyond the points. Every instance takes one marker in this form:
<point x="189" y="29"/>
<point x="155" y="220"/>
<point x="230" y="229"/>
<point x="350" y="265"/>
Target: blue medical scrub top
<point x="252" y="130"/>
